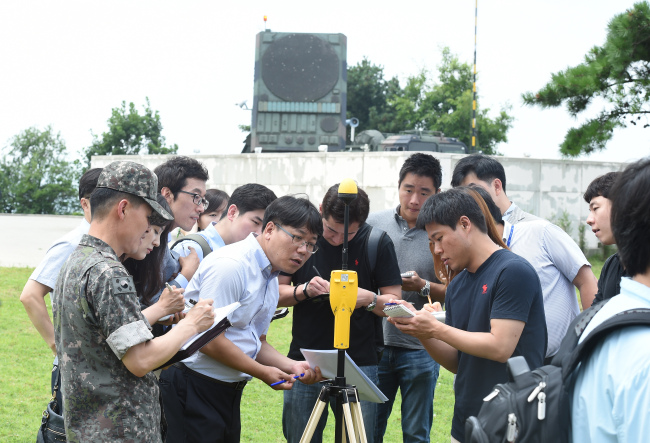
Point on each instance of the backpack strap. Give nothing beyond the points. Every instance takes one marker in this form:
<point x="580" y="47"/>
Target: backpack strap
<point x="574" y="331"/>
<point x="197" y="238"/>
<point x="373" y="246"/>
<point x="374" y="239"/>
<point x="632" y="317"/>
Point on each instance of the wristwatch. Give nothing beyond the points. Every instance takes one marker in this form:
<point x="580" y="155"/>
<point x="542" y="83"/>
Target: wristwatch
<point x="372" y="304"/>
<point x="424" y="292"/>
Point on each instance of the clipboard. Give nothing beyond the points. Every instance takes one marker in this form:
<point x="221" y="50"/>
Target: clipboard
<point x="195" y="343"/>
<point x="327" y="361"/>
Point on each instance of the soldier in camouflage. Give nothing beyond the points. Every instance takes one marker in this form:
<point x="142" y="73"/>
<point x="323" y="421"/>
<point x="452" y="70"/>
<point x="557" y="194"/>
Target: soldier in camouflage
<point x="104" y="343"/>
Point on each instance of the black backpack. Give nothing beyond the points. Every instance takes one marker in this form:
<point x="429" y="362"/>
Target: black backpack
<point x="534" y="406"/>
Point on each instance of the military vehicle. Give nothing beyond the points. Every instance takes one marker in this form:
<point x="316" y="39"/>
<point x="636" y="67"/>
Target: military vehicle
<point x="411" y="140"/>
<point x="415" y="140"/>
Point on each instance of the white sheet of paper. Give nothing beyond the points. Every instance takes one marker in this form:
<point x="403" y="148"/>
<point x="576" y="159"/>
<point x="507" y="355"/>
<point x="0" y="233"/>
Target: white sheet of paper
<point x="219" y="314"/>
<point x="327" y="362"/>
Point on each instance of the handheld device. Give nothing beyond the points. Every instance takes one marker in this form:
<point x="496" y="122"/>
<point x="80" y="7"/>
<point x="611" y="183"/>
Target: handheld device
<point x="344" y="284"/>
<point x="407" y="274"/>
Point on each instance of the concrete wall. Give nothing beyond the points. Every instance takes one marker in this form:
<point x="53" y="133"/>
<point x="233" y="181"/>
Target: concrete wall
<point x="543" y="187"/>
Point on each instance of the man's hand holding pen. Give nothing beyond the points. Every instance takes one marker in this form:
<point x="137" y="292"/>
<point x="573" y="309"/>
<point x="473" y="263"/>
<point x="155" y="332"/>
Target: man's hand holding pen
<point x="301" y="371"/>
<point x="318" y="286"/>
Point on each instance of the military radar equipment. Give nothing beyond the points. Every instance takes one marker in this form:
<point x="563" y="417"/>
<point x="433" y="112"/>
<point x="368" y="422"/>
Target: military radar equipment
<point x="300" y="92"/>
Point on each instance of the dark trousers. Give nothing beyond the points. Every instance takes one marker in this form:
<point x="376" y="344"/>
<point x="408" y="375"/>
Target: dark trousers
<point x="198" y="409"/>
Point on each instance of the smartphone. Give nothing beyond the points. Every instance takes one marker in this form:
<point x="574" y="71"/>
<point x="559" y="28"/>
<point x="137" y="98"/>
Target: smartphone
<point x="408" y="274"/>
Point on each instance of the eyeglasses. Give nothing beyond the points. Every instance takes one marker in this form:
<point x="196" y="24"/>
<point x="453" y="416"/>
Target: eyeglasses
<point x="197" y="199"/>
<point x="299" y="241"/>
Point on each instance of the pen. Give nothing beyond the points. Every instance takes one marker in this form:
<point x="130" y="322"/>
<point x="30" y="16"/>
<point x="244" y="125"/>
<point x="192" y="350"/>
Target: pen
<point x="317" y="273"/>
<point x="390" y="304"/>
<point x="284" y="381"/>
<point x="169" y="286"/>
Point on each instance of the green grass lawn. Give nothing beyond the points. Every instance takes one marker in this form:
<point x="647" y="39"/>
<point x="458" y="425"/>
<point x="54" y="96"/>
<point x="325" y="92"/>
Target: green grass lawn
<point x="25" y="364"/>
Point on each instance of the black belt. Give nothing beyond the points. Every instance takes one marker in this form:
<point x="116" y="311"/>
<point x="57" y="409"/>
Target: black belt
<point x="236" y="385"/>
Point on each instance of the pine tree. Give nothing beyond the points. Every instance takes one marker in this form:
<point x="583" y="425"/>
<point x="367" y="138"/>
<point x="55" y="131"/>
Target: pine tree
<point x="618" y="72"/>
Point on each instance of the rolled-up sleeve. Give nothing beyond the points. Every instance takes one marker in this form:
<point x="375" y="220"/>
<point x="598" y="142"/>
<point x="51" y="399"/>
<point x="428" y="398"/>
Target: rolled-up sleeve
<point x="118" y="312"/>
<point x="128" y="336"/>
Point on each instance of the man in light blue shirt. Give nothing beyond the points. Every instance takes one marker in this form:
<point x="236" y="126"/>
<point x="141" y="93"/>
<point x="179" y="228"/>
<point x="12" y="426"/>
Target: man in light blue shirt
<point x="181" y="180"/>
<point x="202" y="395"/>
<point x="243" y="215"/>
<point x="611" y="395"/>
<point x="42" y="280"/>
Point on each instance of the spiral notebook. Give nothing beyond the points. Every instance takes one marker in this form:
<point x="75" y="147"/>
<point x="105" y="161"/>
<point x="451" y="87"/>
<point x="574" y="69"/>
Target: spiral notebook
<point x="402" y="311"/>
<point x="398" y="311"/>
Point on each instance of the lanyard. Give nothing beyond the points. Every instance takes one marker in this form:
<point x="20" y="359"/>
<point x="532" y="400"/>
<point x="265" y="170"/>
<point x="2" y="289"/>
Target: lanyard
<point x="512" y="229"/>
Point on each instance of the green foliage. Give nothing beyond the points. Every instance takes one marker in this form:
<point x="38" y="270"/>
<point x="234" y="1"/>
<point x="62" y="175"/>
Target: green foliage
<point x="563" y="220"/>
<point x="35" y="177"/>
<point x="368" y="97"/>
<point x="445" y="105"/>
<point x="618" y="72"/>
<point x="130" y="133"/>
<point x="582" y="239"/>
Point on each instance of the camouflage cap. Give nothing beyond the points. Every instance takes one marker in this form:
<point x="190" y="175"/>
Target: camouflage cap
<point x="133" y="178"/>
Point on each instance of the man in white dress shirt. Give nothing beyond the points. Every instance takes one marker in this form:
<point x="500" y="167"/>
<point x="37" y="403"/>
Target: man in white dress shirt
<point x="202" y="395"/>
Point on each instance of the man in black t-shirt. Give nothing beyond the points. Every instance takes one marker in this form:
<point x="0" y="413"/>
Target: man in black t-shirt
<point x="313" y="321"/>
<point x="597" y="197"/>
<point x="494" y="305"/>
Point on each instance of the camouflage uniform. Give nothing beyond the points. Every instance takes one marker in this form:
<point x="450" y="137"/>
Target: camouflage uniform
<point x="97" y="318"/>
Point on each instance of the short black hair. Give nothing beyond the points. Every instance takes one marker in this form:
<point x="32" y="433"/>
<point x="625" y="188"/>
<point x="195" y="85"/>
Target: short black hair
<point x="630" y="216"/>
<point x="294" y="211"/>
<point x="495" y="212"/>
<point x="601" y="186"/>
<point x="216" y="198"/>
<point x="173" y="174"/>
<point x="103" y="199"/>
<point x="486" y="169"/>
<point x="250" y="197"/>
<point x="333" y="206"/>
<point x="424" y="165"/>
<point x="88" y="182"/>
<point x="446" y="208"/>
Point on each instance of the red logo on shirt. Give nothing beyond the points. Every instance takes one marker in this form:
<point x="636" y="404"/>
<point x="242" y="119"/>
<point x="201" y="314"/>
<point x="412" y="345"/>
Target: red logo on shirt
<point x="356" y="262"/>
<point x="484" y="289"/>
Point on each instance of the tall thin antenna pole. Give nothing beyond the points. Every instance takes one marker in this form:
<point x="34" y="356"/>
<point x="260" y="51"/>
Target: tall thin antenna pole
<point x="474" y="133"/>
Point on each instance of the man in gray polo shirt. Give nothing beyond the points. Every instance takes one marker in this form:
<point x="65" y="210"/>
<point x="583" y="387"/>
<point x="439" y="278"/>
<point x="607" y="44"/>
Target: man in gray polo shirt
<point x="405" y="363"/>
